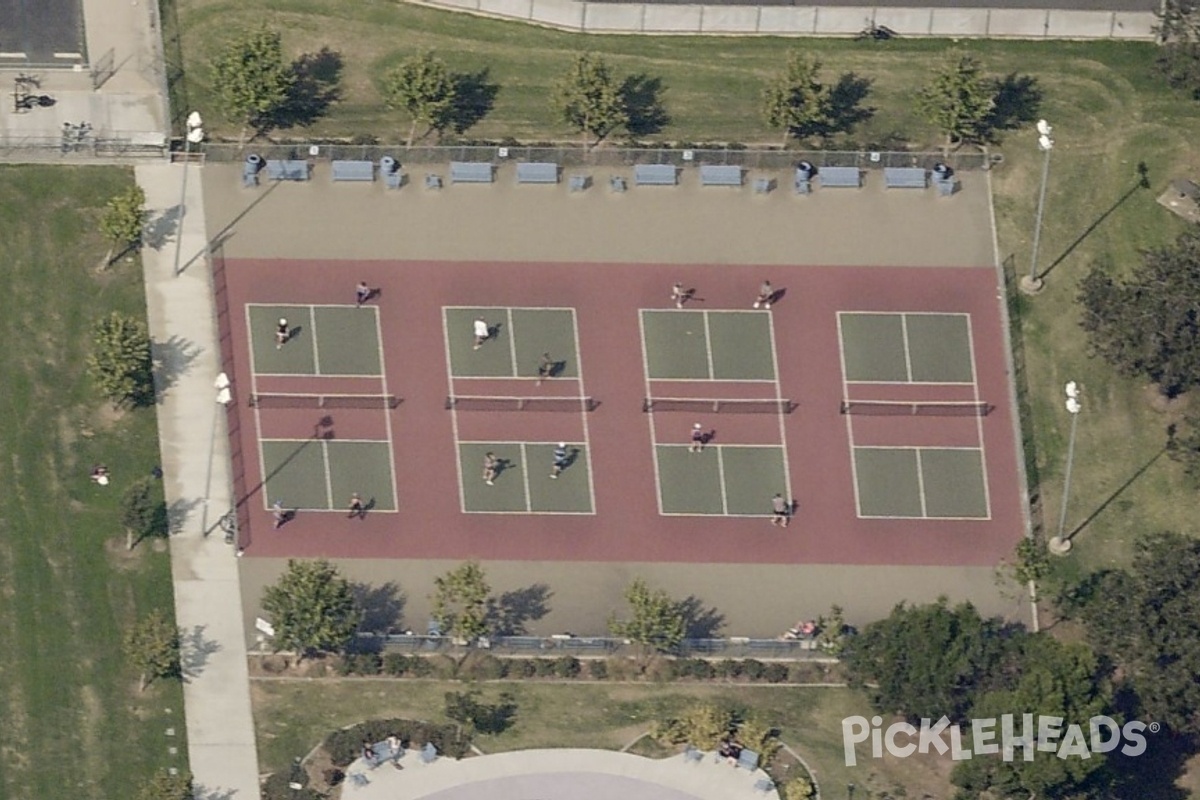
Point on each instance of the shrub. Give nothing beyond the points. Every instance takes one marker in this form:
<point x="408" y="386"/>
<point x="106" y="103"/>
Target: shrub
<point x="703" y="725"/>
<point x="598" y="669"/>
<point x="395" y="663"/>
<point x="543" y="667"/>
<point x="360" y="664"/>
<point x="482" y="667"/>
<point x="728" y="668"/>
<point x="775" y="672"/>
<point x="697" y="668"/>
<point x="275" y="787"/>
<point x="661" y="670"/>
<point x="333" y="776"/>
<point x="623" y="669"/>
<point x="522" y="668"/>
<point x="441" y="667"/>
<point x="753" y="669"/>
<point x="566" y="667"/>
<point x="345" y="745"/>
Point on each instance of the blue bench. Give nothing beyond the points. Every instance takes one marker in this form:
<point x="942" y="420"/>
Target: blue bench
<point x="429" y="753"/>
<point x="389" y="168"/>
<point x="433" y="181"/>
<point x="537" y="172"/>
<point x="353" y="171"/>
<point x="905" y="177"/>
<point x="655" y="175"/>
<point x="840" y="177"/>
<point x="617" y="183"/>
<point x="291" y="170"/>
<point x="748" y="759"/>
<point x="579" y="183"/>
<point x="720" y="175"/>
<point x="471" y="172"/>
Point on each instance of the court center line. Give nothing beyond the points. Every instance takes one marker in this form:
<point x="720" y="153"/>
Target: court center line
<point x="458" y="455"/>
<point x="387" y="413"/>
<point x="650" y="414"/>
<point x="312" y="325"/>
<point x="328" y="474"/>
<point x="907" y="352"/>
<point x="721" y="478"/>
<point x="587" y="436"/>
<point x="512" y="342"/>
<point x="983" y="462"/>
<point x="921" y="482"/>
<point x="708" y="347"/>
<point x="788" y="489"/>
<point x="849" y="421"/>
<point x="525" y="477"/>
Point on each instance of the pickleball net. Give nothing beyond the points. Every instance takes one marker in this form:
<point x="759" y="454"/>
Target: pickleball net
<point x="767" y="405"/>
<point x="462" y="402"/>
<point x="288" y="400"/>
<point x="901" y="408"/>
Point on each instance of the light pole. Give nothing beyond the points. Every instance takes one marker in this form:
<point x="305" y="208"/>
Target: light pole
<point x="1060" y="545"/>
<point x="1032" y="283"/>
<point x="195" y="135"/>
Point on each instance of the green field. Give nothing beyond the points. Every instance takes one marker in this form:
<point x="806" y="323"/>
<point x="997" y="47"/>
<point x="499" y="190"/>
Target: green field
<point x="72" y="723"/>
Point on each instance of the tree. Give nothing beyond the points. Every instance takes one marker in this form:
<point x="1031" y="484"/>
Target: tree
<point x="1055" y="679"/>
<point x="796" y="101"/>
<point x="657" y="622"/>
<point x="165" y="786"/>
<point x="152" y="646"/>
<point x="423" y="87"/>
<point x="589" y="98"/>
<point x="460" y="602"/>
<point x="1179" y="57"/>
<point x="1148" y="325"/>
<point x="252" y="78"/>
<point x="467" y="709"/>
<point x="312" y="608"/>
<point x="959" y="99"/>
<point x="1184" y="444"/>
<point x="123" y="223"/>
<point x="121" y="363"/>
<point x="142" y="512"/>
<point x="1147" y="620"/>
<point x="929" y="661"/>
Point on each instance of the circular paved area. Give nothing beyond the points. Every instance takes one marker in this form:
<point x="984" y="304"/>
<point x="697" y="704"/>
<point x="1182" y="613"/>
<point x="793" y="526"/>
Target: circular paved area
<point x="578" y="774"/>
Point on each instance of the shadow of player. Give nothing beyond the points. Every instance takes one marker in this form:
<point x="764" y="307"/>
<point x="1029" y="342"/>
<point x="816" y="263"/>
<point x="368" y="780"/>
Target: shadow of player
<point x="295" y="332"/>
<point x="572" y="457"/>
<point x="494" y="331"/>
<point x="503" y="464"/>
<point x="776" y="296"/>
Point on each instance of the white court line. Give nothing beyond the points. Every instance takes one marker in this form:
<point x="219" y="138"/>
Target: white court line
<point x="935" y="519"/>
<point x="587" y="436"/>
<point x="374" y="376"/>
<point x="458" y="456"/>
<point x="867" y="313"/>
<point x="525" y="477"/>
<point x="387" y="416"/>
<point x="312" y="320"/>
<point x="712" y="373"/>
<point x="512" y="343"/>
<point x="262" y="464"/>
<point x="983" y="463"/>
<point x="905" y="383"/>
<point x="721" y="478"/>
<point x="310" y="305"/>
<point x="347" y="441"/>
<point x="513" y="378"/>
<point x="650" y="415"/>
<point x="779" y="415"/>
<point x="510" y="308"/>
<point x="907" y="352"/>
<point x="713" y="380"/>
<point x="920" y="483"/>
<point x="537" y="513"/>
<point x="328" y="474"/>
<point x="714" y="515"/>
<point x="849" y="422"/>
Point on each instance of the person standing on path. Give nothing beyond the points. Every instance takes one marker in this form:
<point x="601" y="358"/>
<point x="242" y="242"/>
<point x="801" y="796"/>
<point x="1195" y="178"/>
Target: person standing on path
<point x="482" y="332"/>
<point x="362" y="293"/>
<point x="282" y="333"/>
<point x="781" y="511"/>
<point x="765" y="293"/>
<point x="357" y="509"/>
<point x="278" y="514"/>
<point x="560" y="459"/>
<point x="698" y="438"/>
<point x="490" y="466"/>
<point x="545" y="368"/>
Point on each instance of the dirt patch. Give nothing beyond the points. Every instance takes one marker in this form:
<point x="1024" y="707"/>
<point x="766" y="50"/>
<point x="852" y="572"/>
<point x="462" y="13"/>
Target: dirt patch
<point x="1173" y="407"/>
<point x="280" y="666"/>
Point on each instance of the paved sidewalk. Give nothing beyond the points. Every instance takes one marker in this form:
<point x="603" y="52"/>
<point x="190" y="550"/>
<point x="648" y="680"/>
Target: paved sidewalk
<point x="195" y="456"/>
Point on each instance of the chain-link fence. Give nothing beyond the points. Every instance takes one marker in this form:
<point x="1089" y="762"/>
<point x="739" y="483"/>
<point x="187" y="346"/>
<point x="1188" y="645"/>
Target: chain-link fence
<point x="569" y="156"/>
<point x="600" y="647"/>
<point x="82" y="141"/>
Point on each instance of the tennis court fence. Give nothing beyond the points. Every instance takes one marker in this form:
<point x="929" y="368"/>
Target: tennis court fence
<point x="285" y="400"/>
<point x="460" y="402"/>
<point x="770" y="405"/>
<point x="894" y="408"/>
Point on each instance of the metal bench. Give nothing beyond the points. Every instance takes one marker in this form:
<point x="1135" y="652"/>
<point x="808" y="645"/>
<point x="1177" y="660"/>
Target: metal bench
<point x="617" y="183"/>
<point x="840" y="177"/>
<point x="433" y="181"/>
<point x="537" y="172"/>
<point x="353" y="171"/>
<point x="764" y="185"/>
<point x="720" y="175"/>
<point x="290" y="170"/>
<point x="429" y="754"/>
<point x="905" y="177"/>
<point x="579" y="183"/>
<point x="471" y="172"/>
<point x="655" y="175"/>
<point x="389" y="168"/>
<point x="748" y="759"/>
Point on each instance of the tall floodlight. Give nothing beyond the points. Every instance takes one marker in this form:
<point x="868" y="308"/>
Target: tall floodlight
<point x="1032" y="283"/>
<point x="195" y="135"/>
<point x="1060" y="544"/>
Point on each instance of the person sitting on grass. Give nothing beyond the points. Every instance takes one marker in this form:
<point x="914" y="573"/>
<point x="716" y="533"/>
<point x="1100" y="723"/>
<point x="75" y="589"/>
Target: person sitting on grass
<point x="99" y="474"/>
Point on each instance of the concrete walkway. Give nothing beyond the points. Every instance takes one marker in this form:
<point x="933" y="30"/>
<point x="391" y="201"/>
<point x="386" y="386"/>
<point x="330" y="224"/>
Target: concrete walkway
<point x="578" y="774"/>
<point x="195" y="460"/>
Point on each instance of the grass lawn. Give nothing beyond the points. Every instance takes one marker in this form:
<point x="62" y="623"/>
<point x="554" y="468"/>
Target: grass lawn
<point x="73" y="724"/>
<point x="292" y="716"/>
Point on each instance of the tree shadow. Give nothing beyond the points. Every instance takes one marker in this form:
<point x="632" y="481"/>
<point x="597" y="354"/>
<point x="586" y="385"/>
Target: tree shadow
<point x="172" y="359"/>
<point x="1153" y="774"/>
<point x="846" y="107"/>
<point x="700" y="622"/>
<point x="194" y="651"/>
<point x="510" y="613"/>
<point x="178" y="512"/>
<point x="1142" y="183"/>
<point x="1017" y="103"/>
<point x="158" y="231"/>
<point x="474" y="99"/>
<point x="313" y="91"/>
<point x="642" y="96"/>
<point x="382" y="607"/>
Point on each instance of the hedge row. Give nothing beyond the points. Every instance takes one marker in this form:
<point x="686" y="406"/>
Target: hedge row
<point x="345" y="745"/>
<point x="484" y="667"/>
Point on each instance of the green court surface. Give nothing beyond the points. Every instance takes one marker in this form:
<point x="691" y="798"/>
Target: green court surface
<point x="326" y="340"/>
<point x="721" y="480"/>
<point x="920" y="482"/>
<point x="708" y="345"/>
<point x="523" y="484"/>
<point x="519" y="338"/>
<point x="906" y="348"/>
<point x="939" y="347"/>
<point x="320" y="475"/>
